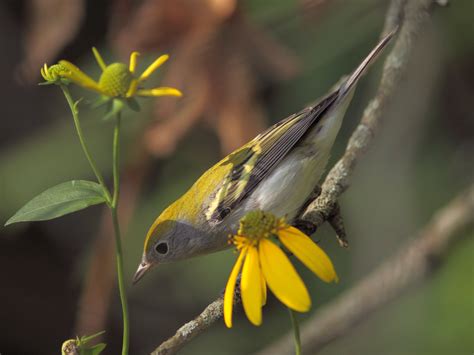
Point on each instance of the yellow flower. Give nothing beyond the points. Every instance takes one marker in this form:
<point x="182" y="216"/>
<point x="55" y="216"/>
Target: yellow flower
<point x="117" y="80"/>
<point x="54" y="74"/>
<point x="262" y="262"/>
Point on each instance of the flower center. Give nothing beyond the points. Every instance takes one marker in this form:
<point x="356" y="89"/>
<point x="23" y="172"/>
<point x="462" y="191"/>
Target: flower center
<point x="256" y="225"/>
<point x="115" y="80"/>
<point x="57" y="71"/>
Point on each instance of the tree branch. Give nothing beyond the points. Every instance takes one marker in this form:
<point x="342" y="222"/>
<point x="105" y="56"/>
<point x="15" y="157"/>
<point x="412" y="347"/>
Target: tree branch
<point x="411" y="15"/>
<point x="187" y="332"/>
<point x="417" y="260"/>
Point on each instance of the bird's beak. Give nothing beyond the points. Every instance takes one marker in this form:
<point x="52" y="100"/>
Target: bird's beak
<point x="142" y="269"/>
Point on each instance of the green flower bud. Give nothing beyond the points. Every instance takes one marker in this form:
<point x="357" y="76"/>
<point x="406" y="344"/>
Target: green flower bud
<point x="55" y="74"/>
<point x="70" y="347"/>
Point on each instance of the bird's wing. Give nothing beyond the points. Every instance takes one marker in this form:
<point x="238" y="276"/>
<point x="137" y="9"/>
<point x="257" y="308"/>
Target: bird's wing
<point x="254" y="161"/>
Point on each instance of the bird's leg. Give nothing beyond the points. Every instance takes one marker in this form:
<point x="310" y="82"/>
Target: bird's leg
<point x="237" y="294"/>
<point x="306" y="227"/>
<point x="336" y="222"/>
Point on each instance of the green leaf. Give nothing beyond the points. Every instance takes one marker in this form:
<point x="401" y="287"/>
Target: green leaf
<point x="60" y="200"/>
<point x="93" y="350"/>
<point x="87" y="338"/>
<point x="133" y="104"/>
<point x="76" y="105"/>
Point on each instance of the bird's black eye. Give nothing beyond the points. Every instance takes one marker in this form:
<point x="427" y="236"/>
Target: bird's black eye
<point x="161" y="248"/>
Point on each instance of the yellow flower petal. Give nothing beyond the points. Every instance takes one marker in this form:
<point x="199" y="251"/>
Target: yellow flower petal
<point x="250" y="287"/>
<point x="163" y="91"/>
<point x="132" y="88"/>
<point x="79" y="77"/>
<point x="44" y="72"/>
<point x="230" y="287"/>
<point x="99" y="59"/>
<point x="309" y="253"/>
<point x="282" y="277"/>
<point x="155" y="65"/>
<point x="264" y="289"/>
<point x="133" y="62"/>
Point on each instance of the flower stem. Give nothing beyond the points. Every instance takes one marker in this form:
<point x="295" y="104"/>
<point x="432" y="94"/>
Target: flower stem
<point x="80" y="134"/>
<point x="112" y="202"/>
<point x="296" y="331"/>
<point x="116" y="160"/>
<point x="118" y="240"/>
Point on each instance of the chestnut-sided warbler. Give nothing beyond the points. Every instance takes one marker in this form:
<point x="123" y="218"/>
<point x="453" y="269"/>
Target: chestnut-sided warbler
<point x="275" y="172"/>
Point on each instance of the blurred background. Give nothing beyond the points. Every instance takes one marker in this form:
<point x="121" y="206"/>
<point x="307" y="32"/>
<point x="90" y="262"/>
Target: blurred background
<point x="242" y="66"/>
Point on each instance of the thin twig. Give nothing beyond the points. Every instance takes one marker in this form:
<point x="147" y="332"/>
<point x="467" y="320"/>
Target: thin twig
<point x="211" y="313"/>
<point x="411" y="15"/>
<point x="414" y="262"/>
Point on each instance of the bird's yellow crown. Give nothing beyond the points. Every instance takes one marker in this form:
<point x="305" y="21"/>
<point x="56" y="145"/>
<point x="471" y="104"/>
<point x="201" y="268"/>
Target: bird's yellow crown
<point x="188" y="208"/>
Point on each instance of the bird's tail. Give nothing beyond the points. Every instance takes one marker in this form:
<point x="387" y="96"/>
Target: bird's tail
<point x="361" y="69"/>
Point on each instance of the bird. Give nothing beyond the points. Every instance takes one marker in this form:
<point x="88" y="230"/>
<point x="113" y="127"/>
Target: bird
<point x="274" y="172"/>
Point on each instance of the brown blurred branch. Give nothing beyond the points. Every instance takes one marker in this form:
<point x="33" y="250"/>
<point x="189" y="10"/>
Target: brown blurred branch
<point x="416" y="261"/>
<point x="410" y="15"/>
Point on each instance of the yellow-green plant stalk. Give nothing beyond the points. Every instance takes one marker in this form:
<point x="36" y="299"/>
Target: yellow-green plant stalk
<point x="116" y="82"/>
<point x="296" y="331"/>
<point x="117" y="85"/>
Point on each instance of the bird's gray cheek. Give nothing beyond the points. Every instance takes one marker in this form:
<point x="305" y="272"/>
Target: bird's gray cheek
<point x="180" y="248"/>
<point x="189" y="241"/>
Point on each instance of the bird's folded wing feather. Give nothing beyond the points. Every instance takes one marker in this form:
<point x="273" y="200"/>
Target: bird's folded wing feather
<point x="254" y="161"/>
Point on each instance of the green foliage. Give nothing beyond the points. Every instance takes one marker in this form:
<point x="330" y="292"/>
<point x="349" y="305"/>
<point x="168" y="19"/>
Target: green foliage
<point x="94" y="350"/>
<point x="60" y="200"/>
<point x="79" y="346"/>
